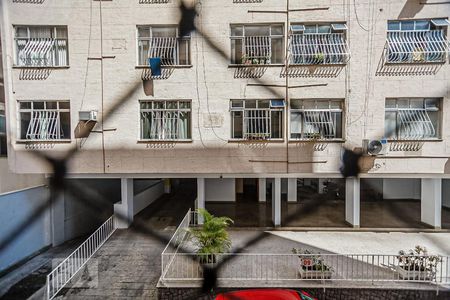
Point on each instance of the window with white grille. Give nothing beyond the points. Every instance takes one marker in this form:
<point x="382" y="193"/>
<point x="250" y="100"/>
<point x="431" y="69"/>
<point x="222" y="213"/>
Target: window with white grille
<point x="412" y="119"/>
<point x="2" y="133"/>
<point x="41" y="46"/>
<point x="420" y="41"/>
<point x="257" y="44"/>
<point x="316" y="119"/>
<point x="318" y="44"/>
<point x="162" y="42"/>
<point x="166" y="120"/>
<point x="44" y="120"/>
<point x="257" y="119"/>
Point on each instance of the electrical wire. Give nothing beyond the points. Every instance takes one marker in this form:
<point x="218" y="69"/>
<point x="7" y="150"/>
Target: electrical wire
<point x="88" y="54"/>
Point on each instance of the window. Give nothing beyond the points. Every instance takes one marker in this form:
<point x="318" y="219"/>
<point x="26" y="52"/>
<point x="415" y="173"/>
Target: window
<point x="41" y="46"/>
<point x="3" y="145"/>
<point x="164" y="43"/>
<point x="419" y="41"/>
<point x="257" y="44"/>
<point x="316" y="119"/>
<point x="257" y="119"/>
<point x="166" y="120"/>
<point x="412" y="119"/>
<point x="44" y="120"/>
<point x="318" y="44"/>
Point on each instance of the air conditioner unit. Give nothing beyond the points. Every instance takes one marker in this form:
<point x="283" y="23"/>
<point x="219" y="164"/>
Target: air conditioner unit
<point x="375" y="147"/>
<point x="88" y="116"/>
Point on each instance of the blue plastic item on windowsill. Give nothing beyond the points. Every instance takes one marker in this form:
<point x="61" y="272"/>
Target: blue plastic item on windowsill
<point x="155" y="65"/>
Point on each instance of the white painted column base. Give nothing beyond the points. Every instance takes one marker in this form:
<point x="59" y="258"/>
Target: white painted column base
<point x="431" y="202"/>
<point x="262" y="188"/>
<point x="276" y="201"/>
<point x="352" y="201"/>
<point x="292" y="190"/>
<point x="200" y="203"/>
<point x="124" y="211"/>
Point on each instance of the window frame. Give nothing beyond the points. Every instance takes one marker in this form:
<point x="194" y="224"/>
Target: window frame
<point x="243" y="109"/>
<point x="340" y="110"/>
<point x="178" y="109"/>
<point x="31" y="109"/>
<point x="178" y="40"/>
<point x="232" y="37"/>
<point x="3" y="136"/>
<point x="54" y="37"/>
<point x="439" y="118"/>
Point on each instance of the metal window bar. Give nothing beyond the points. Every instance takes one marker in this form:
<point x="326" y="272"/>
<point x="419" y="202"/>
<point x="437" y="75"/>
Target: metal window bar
<point x="258" y="49"/>
<point x="44" y="125"/>
<point x="415" y="124"/>
<point x="69" y="267"/>
<point x="319" y="48"/>
<point x="319" y="123"/>
<point x="416" y="46"/>
<point x="165" y="125"/>
<point x="257" y="124"/>
<point x="165" y="48"/>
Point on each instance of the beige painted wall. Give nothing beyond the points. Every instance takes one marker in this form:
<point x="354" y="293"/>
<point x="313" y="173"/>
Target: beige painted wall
<point x="12" y="182"/>
<point x="210" y="84"/>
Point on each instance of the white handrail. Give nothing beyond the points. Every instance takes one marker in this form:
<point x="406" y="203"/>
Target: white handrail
<point x="69" y="267"/>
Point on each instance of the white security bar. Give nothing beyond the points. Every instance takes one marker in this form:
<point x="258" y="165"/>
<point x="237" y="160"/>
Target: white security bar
<point x="416" y="46"/>
<point x="41" y="52"/>
<point x="258" y="48"/>
<point x="318" y="48"/>
<point x="68" y="268"/>
<point x="165" y="48"/>
<point x="44" y="125"/>
<point x="257" y="124"/>
<point x="415" y="124"/>
<point x="166" y="125"/>
<point x="319" y="122"/>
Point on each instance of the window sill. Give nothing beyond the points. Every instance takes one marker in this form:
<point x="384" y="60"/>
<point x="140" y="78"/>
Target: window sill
<point x="164" y="141"/>
<point x="293" y="141"/>
<point x="40" y="67"/>
<point x="415" y="141"/>
<point x="167" y="67"/>
<point x="65" y="141"/>
<point x="272" y="141"/>
<point x="255" y="66"/>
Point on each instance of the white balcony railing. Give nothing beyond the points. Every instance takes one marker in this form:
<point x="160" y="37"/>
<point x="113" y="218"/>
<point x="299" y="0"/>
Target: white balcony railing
<point x="69" y="267"/>
<point x="415" y="124"/>
<point x="165" y="48"/>
<point x="258" y="49"/>
<point x="41" y="52"/>
<point x="319" y="48"/>
<point x="257" y="124"/>
<point x="44" y="125"/>
<point x="319" y="122"/>
<point x="416" y="46"/>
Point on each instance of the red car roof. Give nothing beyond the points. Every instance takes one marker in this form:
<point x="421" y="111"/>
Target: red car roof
<point x="266" y="294"/>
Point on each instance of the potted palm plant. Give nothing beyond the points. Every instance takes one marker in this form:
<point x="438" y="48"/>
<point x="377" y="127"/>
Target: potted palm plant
<point x="312" y="266"/>
<point x="417" y="264"/>
<point x="211" y="238"/>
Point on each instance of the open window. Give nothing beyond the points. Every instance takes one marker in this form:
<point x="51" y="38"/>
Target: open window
<point x="164" y="43"/>
<point x="257" y="119"/>
<point x="417" y="41"/>
<point x="316" y="119"/>
<point x="257" y="44"/>
<point x="312" y="44"/>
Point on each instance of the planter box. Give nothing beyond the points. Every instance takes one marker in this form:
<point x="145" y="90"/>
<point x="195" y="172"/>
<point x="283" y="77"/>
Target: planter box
<point x="311" y="274"/>
<point x="415" y="275"/>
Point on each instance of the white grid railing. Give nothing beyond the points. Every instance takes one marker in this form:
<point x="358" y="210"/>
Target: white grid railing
<point x="319" y="48"/>
<point x="166" y="125"/>
<point x="415" y="124"/>
<point x="257" y="124"/>
<point x="165" y="48"/>
<point x="41" y="52"/>
<point x="44" y="125"/>
<point x="416" y="46"/>
<point x="69" y="267"/>
<point x="319" y="122"/>
<point x="258" y="48"/>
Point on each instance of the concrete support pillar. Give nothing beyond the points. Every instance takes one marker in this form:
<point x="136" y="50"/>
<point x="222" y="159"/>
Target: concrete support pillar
<point x="292" y="190"/>
<point x="276" y="201"/>
<point x="126" y="207"/>
<point x="321" y="185"/>
<point x="352" y="201"/>
<point x="200" y="196"/>
<point x="58" y="219"/>
<point x="262" y="189"/>
<point x="167" y="186"/>
<point x="431" y="201"/>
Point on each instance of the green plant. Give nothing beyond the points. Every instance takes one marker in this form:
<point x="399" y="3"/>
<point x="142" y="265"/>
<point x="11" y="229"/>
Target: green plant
<point x="310" y="261"/>
<point x="319" y="57"/>
<point x="212" y="237"/>
<point x="417" y="259"/>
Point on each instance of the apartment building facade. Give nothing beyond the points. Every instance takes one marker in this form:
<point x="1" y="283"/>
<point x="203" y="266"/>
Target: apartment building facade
<point x="301" y="80"/>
